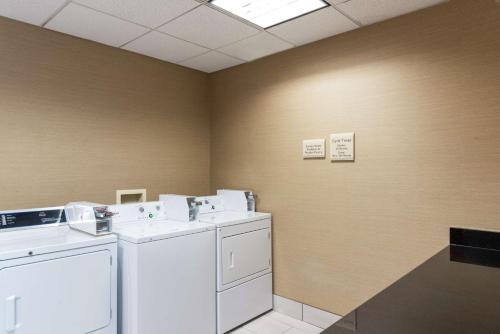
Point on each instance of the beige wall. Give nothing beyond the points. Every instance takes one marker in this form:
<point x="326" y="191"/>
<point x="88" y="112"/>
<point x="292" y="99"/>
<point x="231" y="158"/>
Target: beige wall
<point x="79" y="120"/>
<point x="422" y="93"/>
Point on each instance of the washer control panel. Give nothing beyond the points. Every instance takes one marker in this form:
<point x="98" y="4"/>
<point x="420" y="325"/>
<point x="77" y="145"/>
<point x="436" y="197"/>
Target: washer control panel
<point x="147" y="211"/>
<point x="210" y="204"/>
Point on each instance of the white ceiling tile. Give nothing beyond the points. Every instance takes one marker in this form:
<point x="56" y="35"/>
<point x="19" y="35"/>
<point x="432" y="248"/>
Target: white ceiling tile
<point x="315" y="26"/>
<point x="211" y="62"/>
<point x="158" y="45"/>
<point x="371" y="11"/>
<point x="87" y="23"/>
<point x="30" y="11"/>
<point x="257" y="46"/>
<point x="150" y="13"/>
<point x="208" y="27"/>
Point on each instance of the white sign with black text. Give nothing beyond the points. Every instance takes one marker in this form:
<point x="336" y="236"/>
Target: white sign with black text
<point x="342" y="146"/>
<point x="313" y="148"/>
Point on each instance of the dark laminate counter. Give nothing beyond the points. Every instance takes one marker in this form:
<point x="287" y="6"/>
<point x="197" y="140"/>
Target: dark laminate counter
<point x="457" y="291"/>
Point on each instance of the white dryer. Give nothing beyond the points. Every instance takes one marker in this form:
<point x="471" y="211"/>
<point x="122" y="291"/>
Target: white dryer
<point x="54" y="280"/>
<point x="166" y="272"/>
<point x="244" y="260"/>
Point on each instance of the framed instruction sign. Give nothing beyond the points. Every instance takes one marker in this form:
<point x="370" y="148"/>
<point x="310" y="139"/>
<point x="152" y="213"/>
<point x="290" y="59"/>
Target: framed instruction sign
<point x="313" y="148"/>
<point x="342" y="146"/>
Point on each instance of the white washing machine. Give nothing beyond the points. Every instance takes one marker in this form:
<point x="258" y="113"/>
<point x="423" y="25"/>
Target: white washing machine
<point x="54" y="280"/>
<point x="244" y="254"/>
<point x="166" y="272"/>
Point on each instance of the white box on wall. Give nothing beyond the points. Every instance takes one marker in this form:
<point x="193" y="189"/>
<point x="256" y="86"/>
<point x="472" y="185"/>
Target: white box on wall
<point x="130" y="196"/>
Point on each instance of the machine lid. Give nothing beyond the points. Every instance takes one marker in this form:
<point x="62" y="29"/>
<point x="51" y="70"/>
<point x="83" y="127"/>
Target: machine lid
<point x="228" y="218"/>
<point x="140" y="232"/>
<point x="31" y="242"/>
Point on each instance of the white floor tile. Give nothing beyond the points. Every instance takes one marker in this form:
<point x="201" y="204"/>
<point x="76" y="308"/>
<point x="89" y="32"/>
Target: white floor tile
<point x="298" y="331"/>
<point x="241" y="331"/>
<point x="277" y="323"/>
<point x="267" y="325"/>
<point x="294" y="323"/>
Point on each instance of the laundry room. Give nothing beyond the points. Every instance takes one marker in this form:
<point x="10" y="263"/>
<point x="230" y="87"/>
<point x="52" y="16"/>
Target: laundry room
<point x="249" y="166"/>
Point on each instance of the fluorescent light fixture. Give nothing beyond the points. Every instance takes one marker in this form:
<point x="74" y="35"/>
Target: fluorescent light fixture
<point x="268" y="13"/>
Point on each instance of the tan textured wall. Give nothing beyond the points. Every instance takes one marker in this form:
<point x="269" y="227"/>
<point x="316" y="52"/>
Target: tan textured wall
<point x="422" y="93"/>
<point x="79" y="120"/>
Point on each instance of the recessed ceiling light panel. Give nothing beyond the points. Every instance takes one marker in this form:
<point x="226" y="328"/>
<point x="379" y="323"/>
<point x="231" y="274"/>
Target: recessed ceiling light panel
<point x="268" y="13"/>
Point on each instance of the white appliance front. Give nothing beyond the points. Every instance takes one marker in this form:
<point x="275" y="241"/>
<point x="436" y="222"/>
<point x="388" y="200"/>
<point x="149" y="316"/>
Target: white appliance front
<point x="244" y="302"/>
<point x="244" y="275"/>
<point x="243" y="253"/>
<point x="168" y="286"/>
<point x="67" y="292"/>
<point x="244" y="260"/>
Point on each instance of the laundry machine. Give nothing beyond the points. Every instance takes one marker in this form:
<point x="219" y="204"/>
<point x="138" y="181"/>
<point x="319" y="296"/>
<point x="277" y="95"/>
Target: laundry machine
<point x="166" y="272"/>
<point x="244" y="255"/>
<point x="55" y="280"/>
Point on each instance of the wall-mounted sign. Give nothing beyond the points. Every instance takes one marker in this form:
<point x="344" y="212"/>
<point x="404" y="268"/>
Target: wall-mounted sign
<point x="313" y="148"/>
<point x="342" y="146"/>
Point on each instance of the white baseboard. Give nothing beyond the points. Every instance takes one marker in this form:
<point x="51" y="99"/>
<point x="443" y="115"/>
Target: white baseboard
<point x="303" y="312"/>
<point x="319" y="318"/>
<point x="287" y="307"/>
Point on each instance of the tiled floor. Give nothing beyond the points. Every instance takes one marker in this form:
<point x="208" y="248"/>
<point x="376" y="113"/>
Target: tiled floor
<point x="277" y="323"/>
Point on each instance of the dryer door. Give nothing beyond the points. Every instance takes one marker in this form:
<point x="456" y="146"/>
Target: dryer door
<point x="68" y="295"/>
<point x="245" y="254"/>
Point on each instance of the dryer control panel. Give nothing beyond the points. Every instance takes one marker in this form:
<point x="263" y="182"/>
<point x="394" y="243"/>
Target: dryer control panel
<point x="31" y="218"/>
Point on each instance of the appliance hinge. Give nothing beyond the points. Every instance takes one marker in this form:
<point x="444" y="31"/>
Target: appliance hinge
<point x="269" y="235"/>
<point x="110" y="260"/>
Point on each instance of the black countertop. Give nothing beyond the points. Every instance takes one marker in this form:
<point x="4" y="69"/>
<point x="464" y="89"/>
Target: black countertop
<point x="457" y="291"/>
